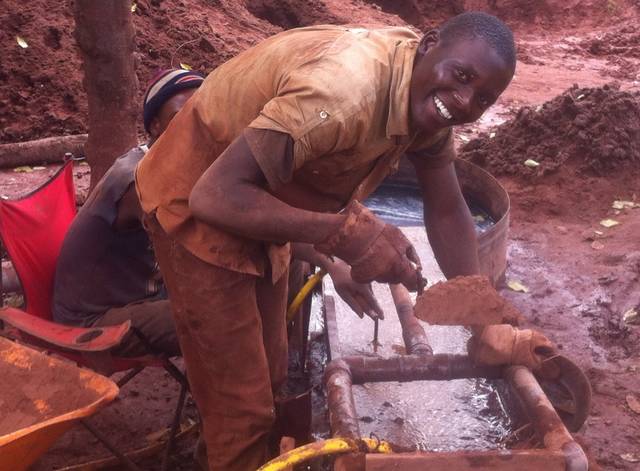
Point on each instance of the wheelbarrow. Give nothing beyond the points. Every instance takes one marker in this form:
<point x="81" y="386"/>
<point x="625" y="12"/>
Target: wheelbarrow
<point x="40" y="399"/>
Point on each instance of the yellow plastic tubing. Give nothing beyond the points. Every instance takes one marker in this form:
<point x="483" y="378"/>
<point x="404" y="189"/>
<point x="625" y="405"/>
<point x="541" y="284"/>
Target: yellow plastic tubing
<point x="303" y="293"/>
<point x="332" y="446"/>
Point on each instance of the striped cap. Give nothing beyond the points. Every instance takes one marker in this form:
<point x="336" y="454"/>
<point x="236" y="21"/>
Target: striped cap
<point x="163" y="86"/>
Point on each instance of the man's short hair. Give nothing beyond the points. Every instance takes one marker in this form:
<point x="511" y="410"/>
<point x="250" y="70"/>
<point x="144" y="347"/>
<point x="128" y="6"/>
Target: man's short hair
<point x="163" y="86"/>
<point x="476" y="24"/>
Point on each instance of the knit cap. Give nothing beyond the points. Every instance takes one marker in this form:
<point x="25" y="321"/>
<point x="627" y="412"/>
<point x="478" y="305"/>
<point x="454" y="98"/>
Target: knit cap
<point x="164" y="85"/>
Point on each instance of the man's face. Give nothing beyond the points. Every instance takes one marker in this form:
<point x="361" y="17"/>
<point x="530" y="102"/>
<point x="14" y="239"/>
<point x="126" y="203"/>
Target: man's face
<point x="168" y="111"/>
<point x="455" y="82"/>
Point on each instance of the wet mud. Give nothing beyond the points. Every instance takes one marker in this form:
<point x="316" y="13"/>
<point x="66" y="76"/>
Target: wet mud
<point x="465" y="300"/>
<point x="35" y="388"/>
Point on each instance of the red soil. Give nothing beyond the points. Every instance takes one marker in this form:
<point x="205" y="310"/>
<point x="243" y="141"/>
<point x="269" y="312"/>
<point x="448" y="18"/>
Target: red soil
<point x="596" y="129"/>
<point x="578" y="290"/>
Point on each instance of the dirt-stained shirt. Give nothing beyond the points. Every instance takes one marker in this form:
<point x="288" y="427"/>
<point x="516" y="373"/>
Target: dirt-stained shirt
<point x="339" y="94"/>
<point x="100" y="267"/>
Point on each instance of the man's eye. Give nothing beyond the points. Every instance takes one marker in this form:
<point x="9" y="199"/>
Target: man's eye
<point x="462" y="76"/>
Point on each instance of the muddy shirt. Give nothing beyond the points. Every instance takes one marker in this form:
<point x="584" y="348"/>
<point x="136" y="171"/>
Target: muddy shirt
<point x="340" y="94"/>
<point x="100" y="268"/>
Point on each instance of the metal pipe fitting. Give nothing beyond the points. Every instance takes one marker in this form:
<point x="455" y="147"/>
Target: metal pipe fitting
<point x="414" y="336"/>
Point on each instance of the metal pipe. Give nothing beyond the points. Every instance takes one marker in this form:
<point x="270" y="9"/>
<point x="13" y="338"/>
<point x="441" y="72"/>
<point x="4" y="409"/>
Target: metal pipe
<point x="342" y="410"/>
<point x="414" y="336"/>
<point x="544" y="418"/>
<point x="342" y="374"/>
<point x="417" y="368"/>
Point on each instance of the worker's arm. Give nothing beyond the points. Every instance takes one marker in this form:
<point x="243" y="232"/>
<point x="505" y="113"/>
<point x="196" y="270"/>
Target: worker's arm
<point x="447" y="218"/>
<point x="231" y="194"/>
<point x="359" y="296"/>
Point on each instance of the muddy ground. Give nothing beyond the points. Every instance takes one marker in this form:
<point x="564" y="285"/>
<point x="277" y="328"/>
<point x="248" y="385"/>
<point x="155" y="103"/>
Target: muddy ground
<point x="581" y="277"/>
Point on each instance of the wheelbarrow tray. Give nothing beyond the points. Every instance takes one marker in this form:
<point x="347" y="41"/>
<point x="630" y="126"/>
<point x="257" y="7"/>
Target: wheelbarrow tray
<point x="40" y="399"/>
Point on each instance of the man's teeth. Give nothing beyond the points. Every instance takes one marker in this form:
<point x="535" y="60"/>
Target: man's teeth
<point x="444" y="112"/>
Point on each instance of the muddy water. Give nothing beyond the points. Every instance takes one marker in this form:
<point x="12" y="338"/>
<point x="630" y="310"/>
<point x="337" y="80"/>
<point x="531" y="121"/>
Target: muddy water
<point x="426" y="415"/>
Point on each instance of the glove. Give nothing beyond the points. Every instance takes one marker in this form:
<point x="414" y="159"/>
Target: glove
<point x="376" y="251"/>
<point x="506" y="345"/>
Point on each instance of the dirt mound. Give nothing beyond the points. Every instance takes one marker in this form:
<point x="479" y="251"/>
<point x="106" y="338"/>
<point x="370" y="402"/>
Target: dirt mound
<point x="40" y="85"/>
<point x="622" y="42"/>
<point x="519" y="14"/>
<point x="41" y="92"/>
<point x="619" y="46"/>
<point x="597" y="129"/>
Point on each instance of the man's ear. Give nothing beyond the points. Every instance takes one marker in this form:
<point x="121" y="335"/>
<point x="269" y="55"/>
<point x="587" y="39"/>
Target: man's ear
<point x="154" y="128"/>
<point x="429" y="39"/>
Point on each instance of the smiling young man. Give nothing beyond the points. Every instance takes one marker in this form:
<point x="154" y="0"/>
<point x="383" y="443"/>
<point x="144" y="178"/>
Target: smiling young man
<point x="279" y="145"/>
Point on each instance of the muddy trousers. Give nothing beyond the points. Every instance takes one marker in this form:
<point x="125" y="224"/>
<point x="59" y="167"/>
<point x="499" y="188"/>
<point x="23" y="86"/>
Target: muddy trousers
<point x="232" y="332"/>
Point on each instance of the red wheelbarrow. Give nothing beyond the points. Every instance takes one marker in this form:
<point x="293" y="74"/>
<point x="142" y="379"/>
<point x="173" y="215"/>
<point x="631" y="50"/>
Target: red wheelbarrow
<point x="40" y="399"/>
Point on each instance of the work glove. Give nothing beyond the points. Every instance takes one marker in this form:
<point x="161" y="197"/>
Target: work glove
<point x="376" y="251"/>
<point x="505" y="345"/>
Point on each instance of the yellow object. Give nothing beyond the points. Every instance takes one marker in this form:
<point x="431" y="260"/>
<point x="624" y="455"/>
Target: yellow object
<point x="22" y="446"/>
<point x="303" y="293"/>
<point x="333" y="446"/>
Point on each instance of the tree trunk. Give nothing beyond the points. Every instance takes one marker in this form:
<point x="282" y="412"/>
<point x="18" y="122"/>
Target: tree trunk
<point x="47" y="150"/>
<point x="105" y="36"/>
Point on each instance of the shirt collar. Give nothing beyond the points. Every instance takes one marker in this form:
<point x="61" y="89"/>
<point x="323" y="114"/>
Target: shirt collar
<point x="399" y="91"/>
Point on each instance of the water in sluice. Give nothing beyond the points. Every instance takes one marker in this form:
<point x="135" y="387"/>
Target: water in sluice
<point x="426" y="415"/>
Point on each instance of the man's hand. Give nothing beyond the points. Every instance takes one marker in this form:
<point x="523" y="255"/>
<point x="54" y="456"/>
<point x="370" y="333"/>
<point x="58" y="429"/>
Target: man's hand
<point x="505" y="345"/>
<point x="375" y="250"/>
<point x="359" y="296"/>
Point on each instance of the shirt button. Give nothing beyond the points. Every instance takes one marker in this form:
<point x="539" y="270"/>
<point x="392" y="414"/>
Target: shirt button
<point x="324" y="114"/>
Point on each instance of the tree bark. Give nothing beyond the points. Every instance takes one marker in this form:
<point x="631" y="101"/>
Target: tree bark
<point x="41" y="151"/>
<point x="105" y="36"/>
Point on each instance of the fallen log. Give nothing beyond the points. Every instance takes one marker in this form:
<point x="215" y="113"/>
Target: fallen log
<point x="47" y="150"/>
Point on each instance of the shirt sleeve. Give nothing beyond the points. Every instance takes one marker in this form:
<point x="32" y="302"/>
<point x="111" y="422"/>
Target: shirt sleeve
<point x="321" y="114"/>
<point x="436" y="151"/>
<point x="273" y="152"/>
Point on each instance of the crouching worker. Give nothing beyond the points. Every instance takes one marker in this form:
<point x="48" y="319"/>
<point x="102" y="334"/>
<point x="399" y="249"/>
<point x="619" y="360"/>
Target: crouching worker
<point x="278" y="146"/>
<point x="106" y="272"/>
